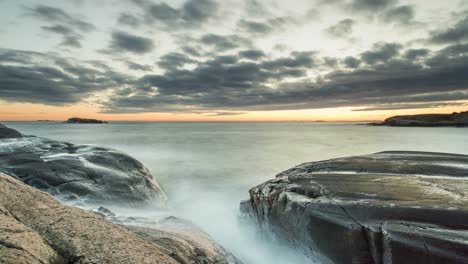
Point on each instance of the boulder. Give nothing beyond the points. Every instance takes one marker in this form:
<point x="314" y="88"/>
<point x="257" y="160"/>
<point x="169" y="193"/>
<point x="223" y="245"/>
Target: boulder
<point x="79" y="173"/>
<point x="6" y="132"/>
<point x="388" y="207"/>
<point x="427" y="120"/>
<point x="35" y="228"/>
<point x="77" y="120"/>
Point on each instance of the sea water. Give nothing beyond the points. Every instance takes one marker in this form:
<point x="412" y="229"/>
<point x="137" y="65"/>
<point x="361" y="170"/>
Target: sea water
<point x="207" y="168"/>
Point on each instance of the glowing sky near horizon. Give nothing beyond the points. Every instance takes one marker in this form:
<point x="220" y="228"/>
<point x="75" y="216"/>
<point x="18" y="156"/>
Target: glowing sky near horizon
<point x="232" y="60"/>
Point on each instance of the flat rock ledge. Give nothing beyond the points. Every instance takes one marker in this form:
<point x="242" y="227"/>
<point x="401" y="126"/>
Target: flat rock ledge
<point x="35" y="228"/>
<point x="79" y="173"/>
<point x="388" y="207"/>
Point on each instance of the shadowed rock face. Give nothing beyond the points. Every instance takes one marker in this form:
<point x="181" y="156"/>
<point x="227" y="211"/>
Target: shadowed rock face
<point x="35" y="228"/>
<point x="6" y="132"/>
<point x="77" y="120"/>
<point x="427" y="120"/>
<point x="389" y="207"/>
<point x="79" y="173"/>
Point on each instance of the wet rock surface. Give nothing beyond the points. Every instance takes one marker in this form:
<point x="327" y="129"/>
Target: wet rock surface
<point x="6" y="132"/>
<point x="427" y="120"/>
<point x="35" y="228"/>
<point x="388" y="207"/>
<point x="79" y="173"/>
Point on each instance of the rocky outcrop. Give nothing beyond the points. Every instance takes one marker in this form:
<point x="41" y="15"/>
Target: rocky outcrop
<point x="79" y="173"/>
<point x="427" y="120"/>
<point x="389" y="207"/>
<point x="35" y="228"/>
<point x="77" y="120"/>
<point x="6" y="132"/>
<point x="184" y="242"/>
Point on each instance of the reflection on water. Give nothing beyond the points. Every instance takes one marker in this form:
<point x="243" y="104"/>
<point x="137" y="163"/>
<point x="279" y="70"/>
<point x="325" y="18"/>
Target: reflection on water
<point x="207" y="168"/>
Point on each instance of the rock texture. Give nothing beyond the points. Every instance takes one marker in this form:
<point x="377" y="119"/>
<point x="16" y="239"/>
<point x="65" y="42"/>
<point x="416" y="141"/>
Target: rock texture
<point x="389" y="207"/>
<point x="6" y="132"/>
<point x="77" y="173"/>
<point x="77" y="120"/>
<point x="184" y="242"/>
<point x="427" y="120"/>
<point x="35" y="228"/>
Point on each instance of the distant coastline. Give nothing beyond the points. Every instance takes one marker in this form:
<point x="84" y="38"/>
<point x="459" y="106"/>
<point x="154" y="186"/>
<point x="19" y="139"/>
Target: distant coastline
<point x="426" y="120"/>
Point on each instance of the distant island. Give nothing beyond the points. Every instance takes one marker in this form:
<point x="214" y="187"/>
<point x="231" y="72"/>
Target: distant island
<point x="426" y="120"/>
<point x="77" y="120"/>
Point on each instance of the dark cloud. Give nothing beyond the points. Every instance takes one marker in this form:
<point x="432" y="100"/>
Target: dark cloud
<point x="123" y="41"/>
<point x="223" y="43"/>
<point x="409" y="106"/>
<point x="252" y="54"/>
<point x="400" y="14"/>
<point x="128" y="20"/>
<point x="381" y="52"/>
<point x="197" y="11"/>
<point x="255" y="27"/>
<point x="174" y="60"/>
<point x="264" y="27"/>
<point x="62" y="23"/>
<point x="221" y="77"/>
<point x="191" y="51"/>
<point x="192" y="14"/>
<point x="57" y="15"/>
<point x="232" y="84"/>
<point x="49" y="79"/>
<point x="255" y="8"/>
<point x="351" y="62"/>
<point x="413" y="54"/>
<point x="70" y="37"/>
<point x="456" y="33"/>
<point x="138" y="67"/>
<point x="371" y="5"/>
<point x="342" y="29"/>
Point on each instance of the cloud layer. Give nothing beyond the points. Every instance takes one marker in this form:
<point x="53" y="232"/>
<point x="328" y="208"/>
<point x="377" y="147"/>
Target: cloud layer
<point x="235" y="56"/>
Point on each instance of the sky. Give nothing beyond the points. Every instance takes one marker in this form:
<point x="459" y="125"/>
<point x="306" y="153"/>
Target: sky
<point x="232" y="60"/>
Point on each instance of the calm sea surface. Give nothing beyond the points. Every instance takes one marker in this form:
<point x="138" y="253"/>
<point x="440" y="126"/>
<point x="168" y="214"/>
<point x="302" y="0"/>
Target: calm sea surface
<point x="207" y="168"/>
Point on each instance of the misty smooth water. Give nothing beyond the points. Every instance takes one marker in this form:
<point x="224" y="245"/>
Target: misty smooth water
<point x="206" y="169"/>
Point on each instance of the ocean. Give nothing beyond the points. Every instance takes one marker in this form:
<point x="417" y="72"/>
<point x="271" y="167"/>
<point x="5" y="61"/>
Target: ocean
<point x="207" y="168"/>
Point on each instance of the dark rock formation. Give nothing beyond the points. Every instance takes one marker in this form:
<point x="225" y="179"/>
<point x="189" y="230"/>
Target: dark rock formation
<point x="77" y="120"/>
<point x="77" y="173"/>
<point x="6" y="132"/>
<point x="36" y="229"/>
<point x="427" y="120"/>
<point x="389" y="207"/>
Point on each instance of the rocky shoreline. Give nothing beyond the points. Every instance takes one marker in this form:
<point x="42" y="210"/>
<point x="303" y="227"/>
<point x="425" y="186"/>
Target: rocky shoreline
<point x="36" y="227"/>
<point x="388" y="207"/>
<point x="426" y="120"/>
